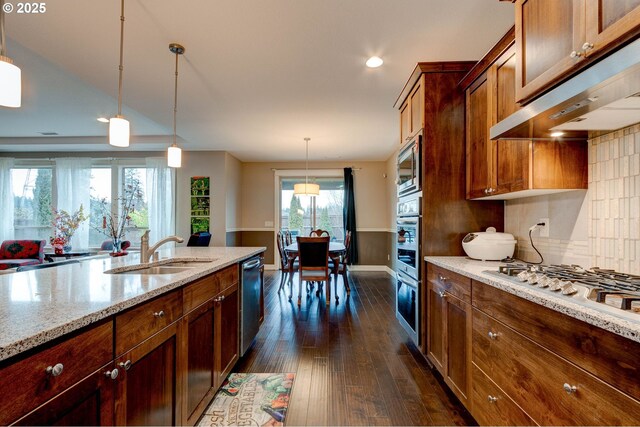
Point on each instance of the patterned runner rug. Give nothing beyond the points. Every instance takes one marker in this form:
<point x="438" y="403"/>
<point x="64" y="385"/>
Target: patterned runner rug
<point x="250" y="399"/>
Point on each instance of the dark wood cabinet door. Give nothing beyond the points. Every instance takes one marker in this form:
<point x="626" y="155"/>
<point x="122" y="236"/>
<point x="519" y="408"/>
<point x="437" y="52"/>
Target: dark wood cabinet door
<point x="609" y="22"/>
<point x="511" y="160"/>
<point x="404" y="122"/>
<point x="435" y="326"/>
<point x="416" y="99"/>
<point x="458" y="346"/>
<point x="478" y="148"/>
<point x="198" y="338"/>
<point x="88" y="403"/>
<point x="148" y="393"/>
<point x="547" y="32"/>
<point x="226" y="332"/>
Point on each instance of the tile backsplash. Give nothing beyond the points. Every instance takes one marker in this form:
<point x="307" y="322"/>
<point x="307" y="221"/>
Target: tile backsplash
<point x="597" y="227"/>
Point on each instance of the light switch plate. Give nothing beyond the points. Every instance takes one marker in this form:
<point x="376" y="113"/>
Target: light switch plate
<point x="268" y="223"/>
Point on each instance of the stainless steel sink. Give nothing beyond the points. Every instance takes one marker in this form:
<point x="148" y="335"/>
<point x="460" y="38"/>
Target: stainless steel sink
<point x="186" y="263"/>
<point x="160" y="269"/>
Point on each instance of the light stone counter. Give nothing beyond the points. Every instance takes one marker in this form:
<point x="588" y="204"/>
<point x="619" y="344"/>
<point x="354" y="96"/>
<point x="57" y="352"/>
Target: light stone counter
<point x="40" y="305"/>
<point x="621" y="322"/>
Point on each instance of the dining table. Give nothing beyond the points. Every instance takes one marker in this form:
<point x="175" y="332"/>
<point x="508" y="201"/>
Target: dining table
<point x="336" y="249"/>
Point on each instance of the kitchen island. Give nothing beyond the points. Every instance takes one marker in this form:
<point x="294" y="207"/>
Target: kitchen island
<point x="79" y="345"/>
<point x="516" y="353"/>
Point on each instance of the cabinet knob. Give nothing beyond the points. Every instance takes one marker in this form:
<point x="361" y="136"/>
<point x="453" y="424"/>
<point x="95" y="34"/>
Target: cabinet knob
<point x="112" y="374"/>
<point x="587" y="46"/>
<point x="486" y="191"/>
<point x="55" y="370"/>
<point x="570" y="389"/>
<point x="159" y="313"/>
<point x="576" y="54"/>
<point x="442" y="294"/>
<point x="125" y="365"/>
<point x="492" y="399"/>
<point x="493" y="335"/>
<point x="442" y="278"/>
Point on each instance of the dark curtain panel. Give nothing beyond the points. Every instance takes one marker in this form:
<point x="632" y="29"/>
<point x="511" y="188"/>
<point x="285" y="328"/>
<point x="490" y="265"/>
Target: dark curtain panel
<point x="349" y="215"/>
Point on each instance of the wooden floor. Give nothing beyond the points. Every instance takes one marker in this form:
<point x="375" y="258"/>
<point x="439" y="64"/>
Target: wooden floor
<point x="354" y="364"/>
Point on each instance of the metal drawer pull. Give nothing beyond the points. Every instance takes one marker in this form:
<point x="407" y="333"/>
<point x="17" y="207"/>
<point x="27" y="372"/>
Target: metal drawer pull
<point x="492" y="399"/>
<point x="493" y="335"/>
<point x="112" y="374"/>
<point x="219" y="299"/>
<point x="159" y="313"/>
<point x="442" y="278"/>
<point x="442" y="294"/>
<point x="570" y="388"/>
<point x="126" y="365"/>
<point x="55" y="370"/>
<point x="587" y="46"/>
<point x="576" y="54"/>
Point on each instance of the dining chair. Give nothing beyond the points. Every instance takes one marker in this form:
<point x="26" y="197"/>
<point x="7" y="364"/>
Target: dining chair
<point x="313" y="255"/>
<point x="344" y="260"/>
<point x="319" y="233"/>
<point x="288" y="264"/>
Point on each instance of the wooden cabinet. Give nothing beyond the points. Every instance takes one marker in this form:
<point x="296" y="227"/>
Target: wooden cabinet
<point x="46" y="373"/>
<point x="88" y="403"/>
<point x="556" y="38"/>
<point x="200" y="375"/>
<point x="150" y="387"/>
<point x="549" y="365"/>
<point x="227" y="342"/>
<point x="411" y="113"/>
<point x="505" y="169"/>
<point x="449" y="329"/>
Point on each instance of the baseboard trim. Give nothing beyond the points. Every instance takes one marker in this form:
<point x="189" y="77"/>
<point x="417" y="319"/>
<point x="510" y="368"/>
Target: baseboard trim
<point x="372" y="268"/>
<point x="271" y="267"/>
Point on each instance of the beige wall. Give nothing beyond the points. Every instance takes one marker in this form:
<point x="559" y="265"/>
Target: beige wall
<point x="233" y="185"/>
<point x="598" y="227"/>
<point x="371" y="192"/>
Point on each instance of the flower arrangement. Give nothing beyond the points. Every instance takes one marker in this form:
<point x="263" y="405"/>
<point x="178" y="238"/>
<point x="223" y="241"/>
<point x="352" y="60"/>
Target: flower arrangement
<point x="113" y="225"/>
<point x="65" y="225"/>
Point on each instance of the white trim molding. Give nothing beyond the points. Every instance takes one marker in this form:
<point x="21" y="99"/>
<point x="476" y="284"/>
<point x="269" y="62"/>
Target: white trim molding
<point x="372" y="268"/>
<point x="233" y="230"/>
<point x="376" y="230"/>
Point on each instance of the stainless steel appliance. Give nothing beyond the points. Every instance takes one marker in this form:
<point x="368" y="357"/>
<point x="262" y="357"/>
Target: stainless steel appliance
<point x="408" y="236"/>
<point x="408" y="166"/>
<point x="251" y="278"/>
<point x="607" y="290"/>
<point x="408" y="225"/>
<point x="408" y="305"/>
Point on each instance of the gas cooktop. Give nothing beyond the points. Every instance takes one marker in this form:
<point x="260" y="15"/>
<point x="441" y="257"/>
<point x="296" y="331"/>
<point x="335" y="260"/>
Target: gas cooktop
<point x="595" y="285"/>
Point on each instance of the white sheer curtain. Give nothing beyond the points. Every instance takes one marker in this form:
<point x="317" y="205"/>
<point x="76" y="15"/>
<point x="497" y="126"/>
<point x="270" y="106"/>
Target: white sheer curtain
<point x="6" y="200"/>
<point x="160" y="199"/>
<point x="73" y="181"/>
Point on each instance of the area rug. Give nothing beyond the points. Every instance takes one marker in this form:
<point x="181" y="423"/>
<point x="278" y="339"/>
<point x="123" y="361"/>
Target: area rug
<point x="250" y="399"/>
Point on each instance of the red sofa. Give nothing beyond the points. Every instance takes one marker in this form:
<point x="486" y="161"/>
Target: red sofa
<point x="16" y="253"/>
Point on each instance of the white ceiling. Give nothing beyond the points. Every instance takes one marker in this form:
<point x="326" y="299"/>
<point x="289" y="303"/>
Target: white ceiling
<point x="256" y="78"/>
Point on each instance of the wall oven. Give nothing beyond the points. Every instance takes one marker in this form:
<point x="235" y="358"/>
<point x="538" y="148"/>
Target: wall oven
<point x="408" y="166"/>
<point x="408" y="264"/>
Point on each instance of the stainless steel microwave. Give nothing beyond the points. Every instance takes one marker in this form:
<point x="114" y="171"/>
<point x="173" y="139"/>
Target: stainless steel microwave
<point x="408" y="172"/>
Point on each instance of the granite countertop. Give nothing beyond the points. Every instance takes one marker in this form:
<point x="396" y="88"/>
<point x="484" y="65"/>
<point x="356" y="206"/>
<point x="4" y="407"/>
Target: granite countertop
<point x="621" y="322"/>
<point x="40" y="305"/>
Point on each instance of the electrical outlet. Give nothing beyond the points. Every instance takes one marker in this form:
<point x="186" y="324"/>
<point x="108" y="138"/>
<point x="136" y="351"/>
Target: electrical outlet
<point x="544" y="230"/>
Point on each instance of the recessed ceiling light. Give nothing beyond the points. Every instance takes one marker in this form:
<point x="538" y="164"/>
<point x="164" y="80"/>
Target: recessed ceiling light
<point x="556" y="134"/>
<point x="103" y="120"/>
<point x="374" y="62"/>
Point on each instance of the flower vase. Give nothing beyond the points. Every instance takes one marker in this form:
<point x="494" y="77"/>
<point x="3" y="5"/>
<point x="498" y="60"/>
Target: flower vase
<point x="58" y="249"/>
<point x="66" y="248"/>
<point x="117" y="248"/>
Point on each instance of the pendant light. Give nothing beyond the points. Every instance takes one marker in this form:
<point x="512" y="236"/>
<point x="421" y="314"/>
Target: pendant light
<point x="174" y="154"/>
<point x="304" y="188"/>
<point x="118" y="125"/>
<point x="10" y="75"/>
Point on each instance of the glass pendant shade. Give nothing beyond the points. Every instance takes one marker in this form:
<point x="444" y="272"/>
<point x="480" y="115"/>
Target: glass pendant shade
<point x="174" y="157"/>
<point x="308" y="189"/>
<point x="10" y="84"/>
<point x="119" y="131"/>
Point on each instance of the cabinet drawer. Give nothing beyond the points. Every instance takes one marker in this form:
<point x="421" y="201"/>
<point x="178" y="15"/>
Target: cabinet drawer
<point x="227" y="277"/>
<point x="491" y="406"/>
<point x="549" y="388"/>
<point x="608" y="356"/>
<point x="199" y="292"/>
<point x="454" y="283"/>
<point x="26" y="383"/>
<point x="139" y="323"/>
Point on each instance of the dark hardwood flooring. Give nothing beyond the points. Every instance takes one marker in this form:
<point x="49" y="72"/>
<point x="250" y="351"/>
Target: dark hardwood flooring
<point x="354" y="364"/>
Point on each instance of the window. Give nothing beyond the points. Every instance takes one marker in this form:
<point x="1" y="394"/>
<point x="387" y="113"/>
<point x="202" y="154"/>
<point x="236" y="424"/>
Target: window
<point x="301" y="214"/>
<point x="100" y="192"/>
<point x="33" y="197"/>
<point x="139" y="222"/>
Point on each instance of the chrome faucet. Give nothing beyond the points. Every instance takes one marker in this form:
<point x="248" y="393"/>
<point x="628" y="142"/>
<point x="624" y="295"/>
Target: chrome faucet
<point x="147" y="252"/>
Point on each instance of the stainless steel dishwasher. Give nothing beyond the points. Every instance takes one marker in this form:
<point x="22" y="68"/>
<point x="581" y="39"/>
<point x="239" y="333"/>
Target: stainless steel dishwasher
<point x="251" y="277"/>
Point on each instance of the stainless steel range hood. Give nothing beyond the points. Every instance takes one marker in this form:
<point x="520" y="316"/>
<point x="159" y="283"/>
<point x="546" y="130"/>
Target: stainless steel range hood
<point x="603" y="97"/>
